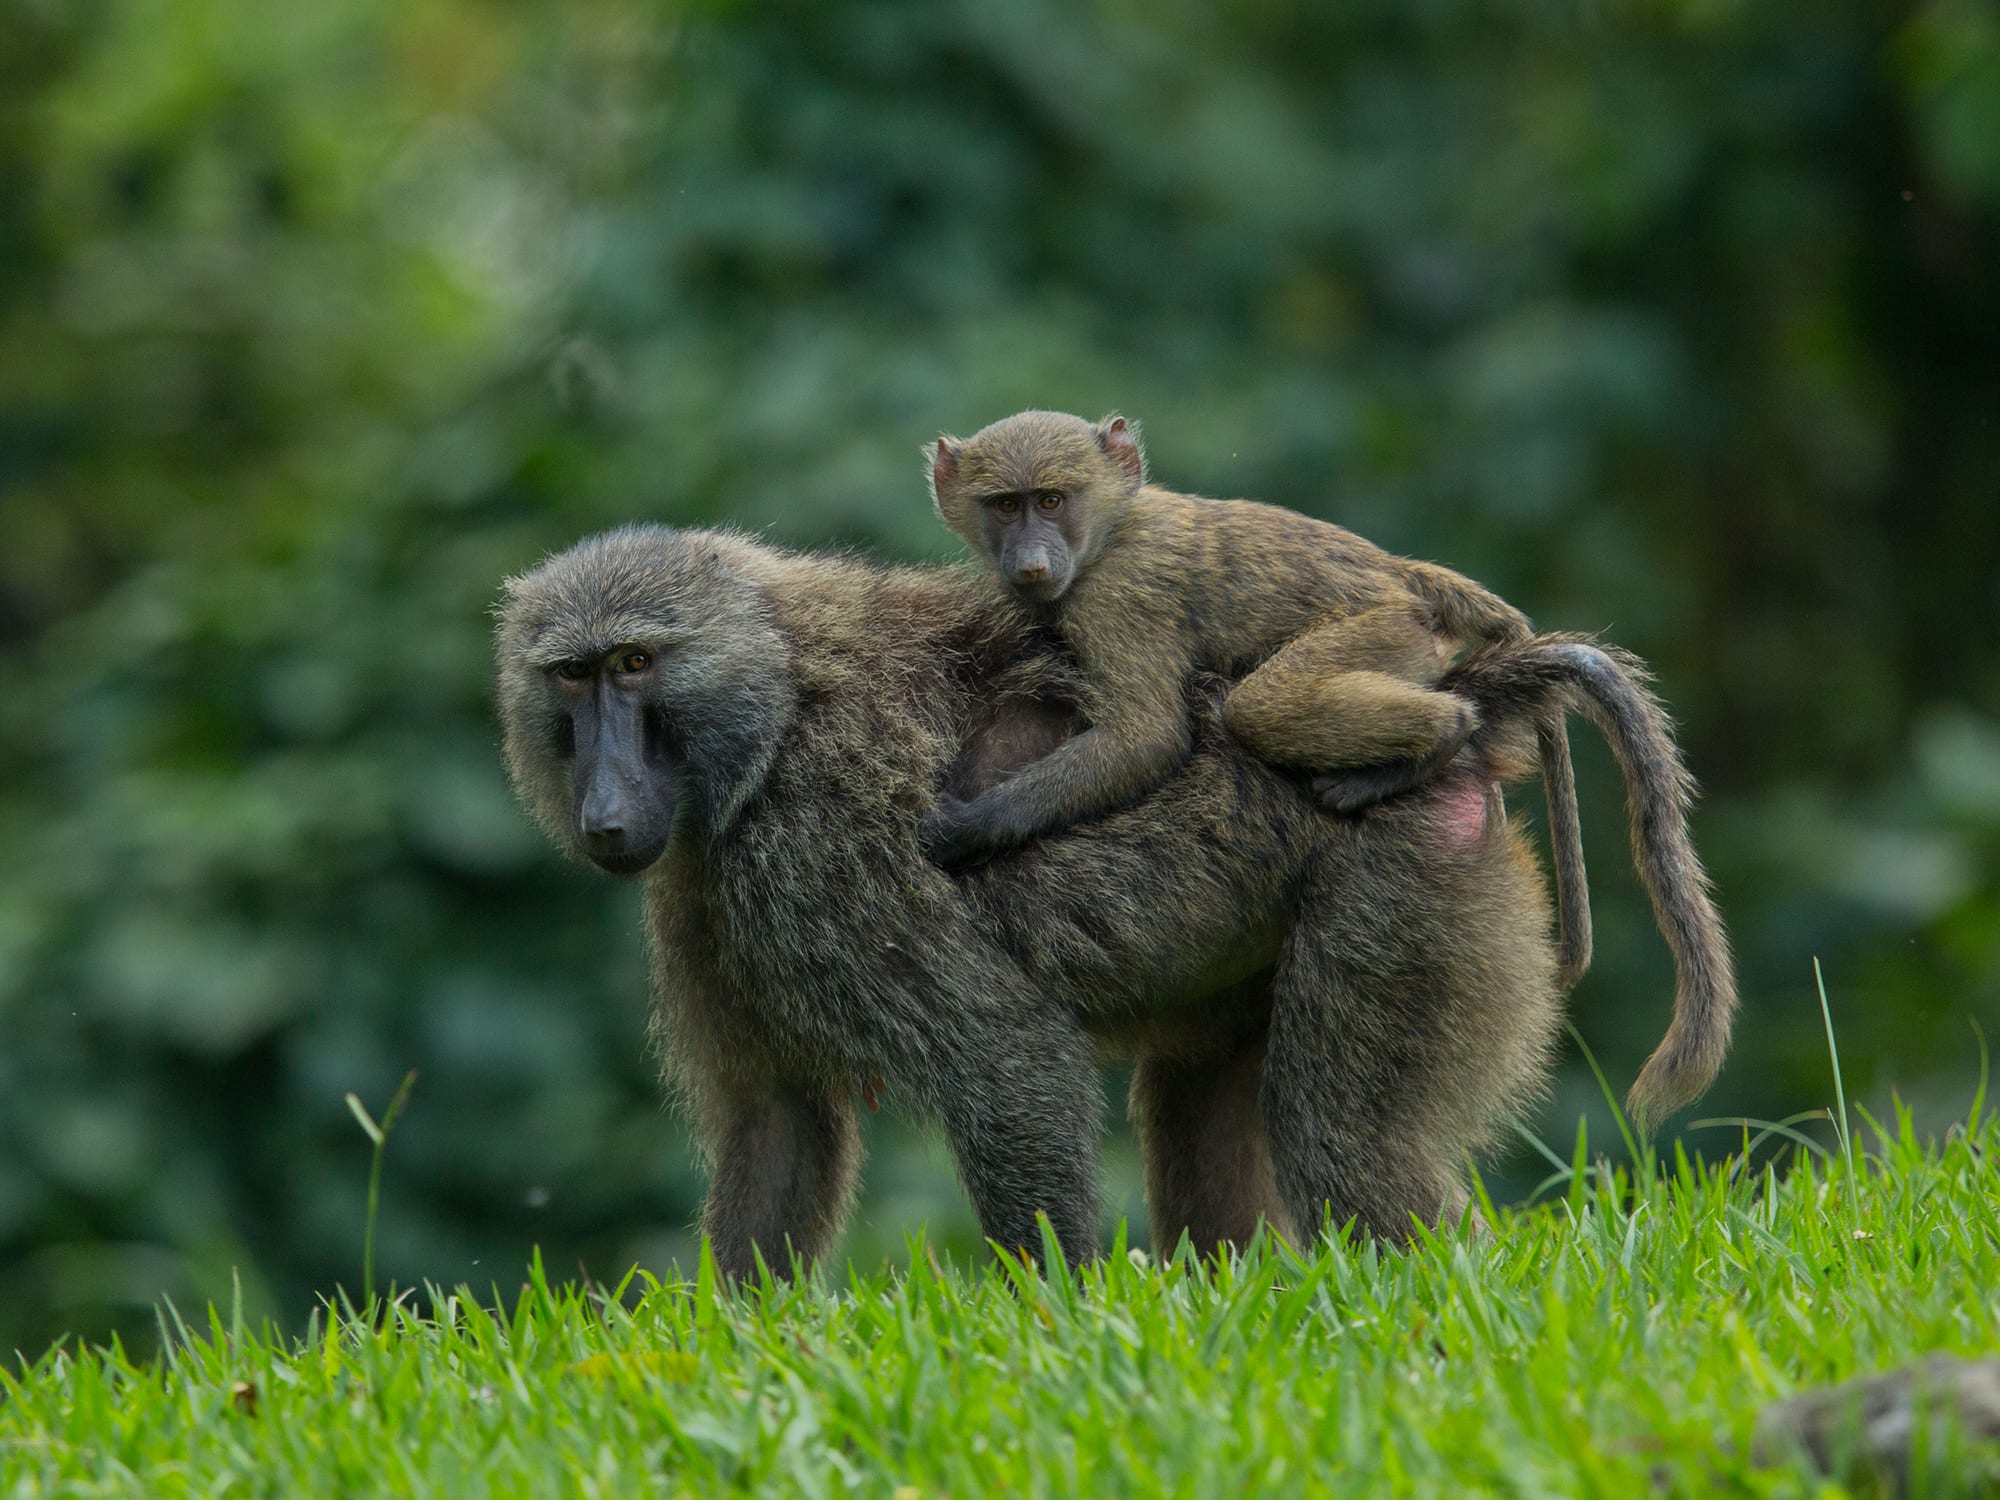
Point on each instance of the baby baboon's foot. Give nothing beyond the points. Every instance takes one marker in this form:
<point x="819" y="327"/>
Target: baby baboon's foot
<point x="1351" y="791"/>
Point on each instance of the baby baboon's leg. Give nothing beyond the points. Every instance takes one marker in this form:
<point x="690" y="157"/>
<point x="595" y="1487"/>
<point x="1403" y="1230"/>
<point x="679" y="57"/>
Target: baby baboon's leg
<point x="1208" y="1162"/>
<point x="786" y="1164"/>
<point x="1347" y="695"/>
<point x="1021" y="1110"/>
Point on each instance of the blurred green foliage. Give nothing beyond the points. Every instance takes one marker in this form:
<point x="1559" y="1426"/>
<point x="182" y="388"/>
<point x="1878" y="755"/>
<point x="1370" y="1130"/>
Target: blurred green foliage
<point x="1672" y="318"/>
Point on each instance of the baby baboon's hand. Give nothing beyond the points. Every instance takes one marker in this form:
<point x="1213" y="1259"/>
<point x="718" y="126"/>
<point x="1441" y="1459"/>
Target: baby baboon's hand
<point x="953" y="834"/>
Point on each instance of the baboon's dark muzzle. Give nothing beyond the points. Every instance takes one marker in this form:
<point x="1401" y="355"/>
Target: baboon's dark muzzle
<point x="624" y="785"/>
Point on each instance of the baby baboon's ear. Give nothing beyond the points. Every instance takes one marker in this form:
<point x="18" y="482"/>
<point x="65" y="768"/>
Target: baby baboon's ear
<point x="941" y="463"/>
<point x="1120" y="442"/>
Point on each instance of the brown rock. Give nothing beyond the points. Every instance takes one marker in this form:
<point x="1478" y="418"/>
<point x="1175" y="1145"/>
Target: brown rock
<point x="1869" y="1426"/>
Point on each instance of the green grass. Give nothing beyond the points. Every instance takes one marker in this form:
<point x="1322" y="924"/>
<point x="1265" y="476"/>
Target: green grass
<point x="1629" y="1326"/>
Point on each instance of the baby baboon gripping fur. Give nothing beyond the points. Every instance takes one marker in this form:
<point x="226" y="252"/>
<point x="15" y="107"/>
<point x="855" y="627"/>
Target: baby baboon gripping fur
<point x="1326" y="1015"/>
<point x="1336" y="642"/>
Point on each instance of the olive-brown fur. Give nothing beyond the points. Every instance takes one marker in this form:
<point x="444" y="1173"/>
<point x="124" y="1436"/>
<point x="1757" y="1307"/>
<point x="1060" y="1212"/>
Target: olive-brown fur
<point x="1326" y="1015"/>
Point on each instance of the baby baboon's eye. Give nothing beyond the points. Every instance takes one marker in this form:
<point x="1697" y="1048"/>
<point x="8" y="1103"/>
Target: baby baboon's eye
<point x="1050" y="500"/>
<point x="1007" y="505"/>
<point x="573" y="670"/>
<point x="634" y="661"/>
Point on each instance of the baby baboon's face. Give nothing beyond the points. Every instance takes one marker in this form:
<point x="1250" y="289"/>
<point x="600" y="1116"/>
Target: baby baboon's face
<point x="1036" y="492"/>
<point x="1029" y="536"/>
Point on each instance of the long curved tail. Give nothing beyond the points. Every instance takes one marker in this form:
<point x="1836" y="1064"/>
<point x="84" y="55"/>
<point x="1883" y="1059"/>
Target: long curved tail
<point x="1537" y="680"/>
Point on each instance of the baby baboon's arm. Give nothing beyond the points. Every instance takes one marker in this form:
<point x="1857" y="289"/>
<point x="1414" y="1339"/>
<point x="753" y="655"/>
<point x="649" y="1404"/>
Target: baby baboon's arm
<point x="1140" y="733"/>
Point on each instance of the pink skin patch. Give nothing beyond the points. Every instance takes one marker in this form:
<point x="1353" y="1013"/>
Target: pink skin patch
<point x="1461" y="811"/>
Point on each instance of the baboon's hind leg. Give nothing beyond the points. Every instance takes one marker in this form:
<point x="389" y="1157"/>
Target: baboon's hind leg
<point x="1208" y="1160"/>
<point x="1349" y="791"/>
<point x="1410" y="1016"/>
<point x="1339" y="1150"/>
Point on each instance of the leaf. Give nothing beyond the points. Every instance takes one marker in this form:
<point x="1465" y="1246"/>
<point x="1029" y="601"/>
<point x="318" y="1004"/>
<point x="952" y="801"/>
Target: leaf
<point x="367" y="1121"/>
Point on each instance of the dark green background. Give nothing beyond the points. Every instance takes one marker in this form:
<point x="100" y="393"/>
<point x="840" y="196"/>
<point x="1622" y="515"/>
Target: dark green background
<point x="1677" y="320"/>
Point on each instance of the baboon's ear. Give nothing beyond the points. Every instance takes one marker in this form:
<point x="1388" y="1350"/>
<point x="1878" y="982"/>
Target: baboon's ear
<point x="1121" y="443"/>
<point x="941" y="463"/>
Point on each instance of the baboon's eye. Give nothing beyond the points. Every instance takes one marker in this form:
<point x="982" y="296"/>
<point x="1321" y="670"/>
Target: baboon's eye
<point x="1007" y="505"/>
<point x="573" y="670"/>
<point x="1049" y="500"/>
<point x="634" y="661"/>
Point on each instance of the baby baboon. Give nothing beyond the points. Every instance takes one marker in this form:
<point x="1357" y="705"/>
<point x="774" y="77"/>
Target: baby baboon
<point x="1335" y="640"/>
<point x="1337" y="643"/>
<point x="1326" y="1014"/>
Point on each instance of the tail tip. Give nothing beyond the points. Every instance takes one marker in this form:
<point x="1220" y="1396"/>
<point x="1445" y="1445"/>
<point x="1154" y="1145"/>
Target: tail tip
<point x="1572" y="965"/>
<point x="1669" y="1082"/>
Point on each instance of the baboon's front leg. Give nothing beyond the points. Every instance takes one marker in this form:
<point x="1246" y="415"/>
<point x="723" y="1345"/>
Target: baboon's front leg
<point x="786" y="1165"/>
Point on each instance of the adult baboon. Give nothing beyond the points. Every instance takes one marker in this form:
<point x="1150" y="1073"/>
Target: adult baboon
<point x="1326" y="1015"/>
